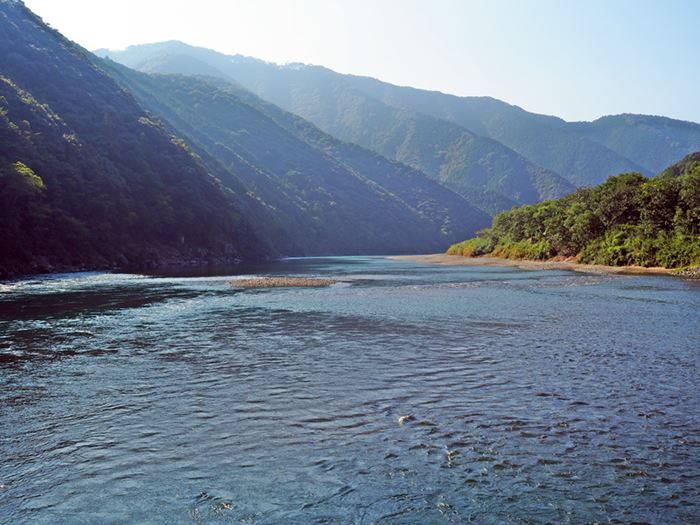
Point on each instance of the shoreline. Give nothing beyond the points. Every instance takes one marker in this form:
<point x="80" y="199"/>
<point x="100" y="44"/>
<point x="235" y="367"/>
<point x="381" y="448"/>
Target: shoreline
<point x="527" y="264"/>
<point x="281" y="282"/>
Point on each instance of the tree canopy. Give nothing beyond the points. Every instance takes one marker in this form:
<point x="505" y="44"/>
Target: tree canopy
<point x="627" y="220"/>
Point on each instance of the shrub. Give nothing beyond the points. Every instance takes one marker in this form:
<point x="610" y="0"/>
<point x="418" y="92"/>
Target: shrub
<point x="628" y="220"/>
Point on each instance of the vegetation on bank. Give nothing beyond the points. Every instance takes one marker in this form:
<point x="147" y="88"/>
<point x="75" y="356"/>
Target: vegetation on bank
<point x="627" y="220"/>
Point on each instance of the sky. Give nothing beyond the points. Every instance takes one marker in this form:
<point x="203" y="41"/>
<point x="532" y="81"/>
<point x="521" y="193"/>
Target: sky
<point x="577" y="59"/>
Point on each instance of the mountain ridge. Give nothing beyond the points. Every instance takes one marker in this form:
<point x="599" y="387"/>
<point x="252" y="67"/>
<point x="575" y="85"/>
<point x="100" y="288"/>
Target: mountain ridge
<point x="216" y="117"/>
<point x="392" y="132"/>
<point x="90" y="180"/>
<point x="548" y="141"/>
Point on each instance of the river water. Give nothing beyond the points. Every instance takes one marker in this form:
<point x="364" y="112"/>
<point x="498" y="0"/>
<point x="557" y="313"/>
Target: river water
<point x="405" y="393"/>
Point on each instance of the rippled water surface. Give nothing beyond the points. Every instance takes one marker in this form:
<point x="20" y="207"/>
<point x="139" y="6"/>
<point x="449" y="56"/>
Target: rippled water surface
<point x="530" y="397"/>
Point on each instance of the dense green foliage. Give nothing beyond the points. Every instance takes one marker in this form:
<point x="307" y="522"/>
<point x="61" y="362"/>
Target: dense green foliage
<point x="89" y="179"/>
<point x="628" y="220"/>
<point x="443" y="135"/>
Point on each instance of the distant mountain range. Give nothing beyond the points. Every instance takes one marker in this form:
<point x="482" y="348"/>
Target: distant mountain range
<point x="170" y="154"/>
<point x="444" y="135"/>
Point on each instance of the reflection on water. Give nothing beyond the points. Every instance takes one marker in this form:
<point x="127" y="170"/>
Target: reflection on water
<point x="537" y="397"/>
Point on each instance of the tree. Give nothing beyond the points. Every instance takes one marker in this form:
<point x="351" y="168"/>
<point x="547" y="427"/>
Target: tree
<point x="18" y="182"/>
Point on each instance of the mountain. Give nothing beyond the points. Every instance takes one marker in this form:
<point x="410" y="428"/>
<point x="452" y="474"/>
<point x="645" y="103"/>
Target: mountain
<point x="488" y="174"/>
<point x="584" y="153"/>
<point x="628" y="220"/>
<point x="329" y="196"/>
<point x="96" y="171"/>
<point x="689" y="163"/>
<point x="88" y="178"/>
<point x="655" y="142"/>
<point x="547" y="141"/>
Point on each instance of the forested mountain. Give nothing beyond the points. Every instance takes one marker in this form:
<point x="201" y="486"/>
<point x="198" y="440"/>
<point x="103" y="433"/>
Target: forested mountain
<point x="627" y="220"/>
<point x="92" y="176"/>
<point x="546" y="141"/>
<point x="347" y="106"/>
<point x="484" y="171"/>
<point x="87" y="177"/>
<point x="583" y="152"/>
<point x="655" y="142"/>
<point x="329" y="196"/>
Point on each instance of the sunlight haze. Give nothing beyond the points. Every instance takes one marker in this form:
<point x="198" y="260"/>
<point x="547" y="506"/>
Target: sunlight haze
<point x="570" y="59"/>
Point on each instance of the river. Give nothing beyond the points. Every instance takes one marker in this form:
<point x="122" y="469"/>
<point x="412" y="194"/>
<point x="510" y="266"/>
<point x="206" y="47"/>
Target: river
<point x="404" y="393"/>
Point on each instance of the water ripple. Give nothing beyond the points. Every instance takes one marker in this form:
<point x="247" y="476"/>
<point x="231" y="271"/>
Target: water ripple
<point x="409" y="394"/>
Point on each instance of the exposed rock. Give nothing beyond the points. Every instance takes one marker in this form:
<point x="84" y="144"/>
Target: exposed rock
<point x="692" y="272"/>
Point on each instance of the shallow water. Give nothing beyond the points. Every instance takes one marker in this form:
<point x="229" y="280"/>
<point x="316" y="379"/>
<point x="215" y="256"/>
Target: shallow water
<point x="533" y="397"/>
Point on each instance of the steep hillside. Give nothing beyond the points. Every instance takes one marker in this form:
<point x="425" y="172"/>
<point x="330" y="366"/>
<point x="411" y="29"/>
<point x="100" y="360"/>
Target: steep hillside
<point x="484" y="171"/>
<point x="345" y="105"/>
<point x="546" y="141"/>
<point x="413" y="187"/>
<point x="655" y="142"/>
<point x="87" y="177"/>
<point x="689" y="163"/>
<point x="330" y="196"/>
<point x="91" y="179"/>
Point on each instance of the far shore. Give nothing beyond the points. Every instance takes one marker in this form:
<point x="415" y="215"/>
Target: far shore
<point x="458" y="260"/>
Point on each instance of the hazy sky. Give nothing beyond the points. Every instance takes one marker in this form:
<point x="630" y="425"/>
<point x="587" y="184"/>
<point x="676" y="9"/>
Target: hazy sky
<point x="578" y="59"/>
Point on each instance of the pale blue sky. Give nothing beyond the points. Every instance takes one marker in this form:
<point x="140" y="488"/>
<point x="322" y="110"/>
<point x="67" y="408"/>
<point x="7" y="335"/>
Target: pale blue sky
<point x="575" y="59"/>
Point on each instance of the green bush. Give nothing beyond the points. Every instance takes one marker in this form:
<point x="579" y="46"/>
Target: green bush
<point x="628" y="220"/>
<point x="473" y="247"/>
<point x="539" y="250"/>
<point x="678" y="251"/>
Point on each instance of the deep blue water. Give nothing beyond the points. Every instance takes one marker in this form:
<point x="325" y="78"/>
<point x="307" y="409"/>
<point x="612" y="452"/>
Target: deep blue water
<point x="533" y="396"/>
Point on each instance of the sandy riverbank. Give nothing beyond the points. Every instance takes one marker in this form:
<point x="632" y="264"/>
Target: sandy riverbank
<point x="457" y="260"/>
<point x="281" y="282"/>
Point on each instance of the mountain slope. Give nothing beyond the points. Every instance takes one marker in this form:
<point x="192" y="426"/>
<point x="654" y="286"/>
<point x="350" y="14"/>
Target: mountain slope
<point x="485" y="172"/>
<point x="583" y="153"/>
<point x="89" y="179"/>
<point x="547" y="141"/>
<point x="330" y="196"/>
<point x="641" y="143"/>
<point x="655" y="142"/>
<point x="433" y="200"/>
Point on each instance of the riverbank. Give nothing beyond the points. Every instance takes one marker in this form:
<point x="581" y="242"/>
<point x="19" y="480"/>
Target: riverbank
<point x="138" y="264"/>
<point x="281" y="282"/>
<point x="458" y="260"/>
